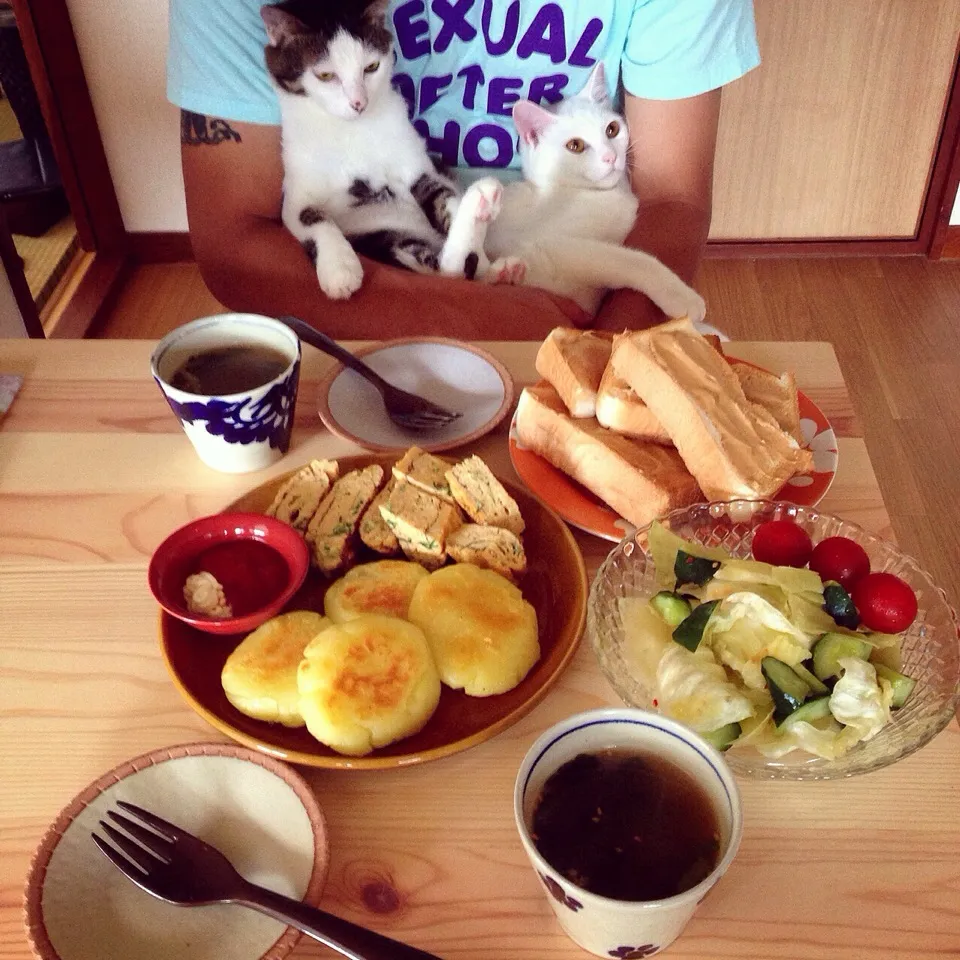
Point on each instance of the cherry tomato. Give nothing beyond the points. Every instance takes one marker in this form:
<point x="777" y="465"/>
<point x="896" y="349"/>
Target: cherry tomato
<point x="782" y="543"/>
<point x="840" y="559"/>
<point x="885" y="603"/>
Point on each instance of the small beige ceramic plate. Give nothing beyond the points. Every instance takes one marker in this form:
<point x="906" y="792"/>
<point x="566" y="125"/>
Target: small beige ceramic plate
<point x="254" y="809"/>
<point x="456" y="375"/>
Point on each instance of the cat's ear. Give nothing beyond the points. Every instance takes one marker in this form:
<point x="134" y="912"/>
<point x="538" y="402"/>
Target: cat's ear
<point x="376" y="10"/>
<point x="280" y="24"/>
<point x="595" y="89"/>
<point x="531" y="120"/>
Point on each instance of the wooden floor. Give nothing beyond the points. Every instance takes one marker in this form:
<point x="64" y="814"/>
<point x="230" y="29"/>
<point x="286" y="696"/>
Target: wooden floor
<point x="895" y="324"/>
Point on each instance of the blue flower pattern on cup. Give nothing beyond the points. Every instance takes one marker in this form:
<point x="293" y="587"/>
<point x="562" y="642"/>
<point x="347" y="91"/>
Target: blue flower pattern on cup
<point x="635" y="953"/>
<point x="246" y="420"/>
<point x="560" y="895"/>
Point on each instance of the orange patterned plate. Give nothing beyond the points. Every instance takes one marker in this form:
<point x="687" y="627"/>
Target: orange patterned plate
<point x="555" y="583"/>
<point x="582" y="509"/>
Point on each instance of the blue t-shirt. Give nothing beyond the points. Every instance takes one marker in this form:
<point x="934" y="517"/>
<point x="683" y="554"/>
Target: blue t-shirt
<point x="461" y="64"/>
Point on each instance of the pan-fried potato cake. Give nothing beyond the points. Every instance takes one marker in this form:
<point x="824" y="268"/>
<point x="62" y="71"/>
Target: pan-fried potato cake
<point x="260" y="676"/>
<point x="384" y="586"/>
<point x="366" y="683"/>
<point x="482" y="632"/>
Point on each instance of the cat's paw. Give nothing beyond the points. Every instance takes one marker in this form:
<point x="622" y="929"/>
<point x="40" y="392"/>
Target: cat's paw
<point x="684" y="301"/>
<point x="340" y="274"/>
<point x="483" y="199"/>
<point x="511" y="271"/>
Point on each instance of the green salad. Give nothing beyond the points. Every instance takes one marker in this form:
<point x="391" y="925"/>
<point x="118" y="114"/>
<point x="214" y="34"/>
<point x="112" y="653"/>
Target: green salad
<point x="751" y="654"/>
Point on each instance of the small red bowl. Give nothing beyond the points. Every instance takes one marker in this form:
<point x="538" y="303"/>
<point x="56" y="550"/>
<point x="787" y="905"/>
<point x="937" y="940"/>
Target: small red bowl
<point x="260" y="561"/>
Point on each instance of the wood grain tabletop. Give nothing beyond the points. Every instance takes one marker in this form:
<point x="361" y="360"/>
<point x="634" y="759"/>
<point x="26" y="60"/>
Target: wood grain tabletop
<point x="95" y="472"/>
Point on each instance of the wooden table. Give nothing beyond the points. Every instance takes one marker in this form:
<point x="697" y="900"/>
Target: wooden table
<point x="94" y="472"/>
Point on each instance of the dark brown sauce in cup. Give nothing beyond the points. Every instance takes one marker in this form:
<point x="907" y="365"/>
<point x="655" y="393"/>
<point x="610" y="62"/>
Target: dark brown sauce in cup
<point x="226" y="370"/>
<point x="627" y="825"/>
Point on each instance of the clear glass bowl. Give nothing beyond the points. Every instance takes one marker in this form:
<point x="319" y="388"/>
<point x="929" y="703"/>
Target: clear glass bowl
<point x="931" y="647"/>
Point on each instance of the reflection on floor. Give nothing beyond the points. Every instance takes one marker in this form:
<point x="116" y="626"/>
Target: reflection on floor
<point x="46" y="258"/>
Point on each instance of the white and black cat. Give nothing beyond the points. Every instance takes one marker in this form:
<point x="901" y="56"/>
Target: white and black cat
<point x="562" y="228"/>
<point x="357" y="176"/>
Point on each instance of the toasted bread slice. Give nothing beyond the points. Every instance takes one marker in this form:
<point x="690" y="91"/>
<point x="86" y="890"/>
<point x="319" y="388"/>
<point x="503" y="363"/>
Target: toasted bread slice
<point x="638" y="479"/>
<point x="776" y="394"/>
<point x="425" y="471"/>
<point x="421" y="523"/>
<point x="482" y="496"/>
<point x="374" y="531"/>
<point x="494" y="548"/>
<point x="621" y="410"/>
<point x="298" y="498"/>
<point x="573" y="361"/>
<point x="332" y="530"/>
<point x="730" y="449"/>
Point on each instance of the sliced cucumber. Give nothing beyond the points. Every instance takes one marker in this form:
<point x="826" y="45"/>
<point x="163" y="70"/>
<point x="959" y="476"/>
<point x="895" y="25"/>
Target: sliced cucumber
<point x="786" y="688"/>
<point x="689" y="633"/>
<point x="723" y="737"/>
<point x="902" y="684"/>
<point x="817" y="708"/>
<point x="671" y="606"/>
<point x="837" y="602"/>
<point x="828" y="650"/>
<point x="690" y="569"/>
<point x="817" y="687"/>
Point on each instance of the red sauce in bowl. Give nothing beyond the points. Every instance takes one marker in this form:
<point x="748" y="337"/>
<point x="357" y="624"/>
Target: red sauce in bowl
<point x="251" y="573"/>
<point x="259" y="561"/>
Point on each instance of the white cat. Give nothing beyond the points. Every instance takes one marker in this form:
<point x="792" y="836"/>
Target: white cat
<point x="562" y="228"/>
<point x="357" y="176"/>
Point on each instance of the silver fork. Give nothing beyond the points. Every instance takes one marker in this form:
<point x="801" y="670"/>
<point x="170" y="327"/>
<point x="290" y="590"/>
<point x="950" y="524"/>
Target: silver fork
<point x="180" y="868"/>
<point x="406" y="409"/>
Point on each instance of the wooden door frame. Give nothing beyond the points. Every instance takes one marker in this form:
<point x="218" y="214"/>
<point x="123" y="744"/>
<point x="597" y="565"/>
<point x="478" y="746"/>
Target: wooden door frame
<point x="57" y="73"/>
<point x="942" y="232"/>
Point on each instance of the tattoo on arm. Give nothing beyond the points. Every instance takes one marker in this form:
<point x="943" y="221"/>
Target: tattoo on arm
<point x="196" y="129"/>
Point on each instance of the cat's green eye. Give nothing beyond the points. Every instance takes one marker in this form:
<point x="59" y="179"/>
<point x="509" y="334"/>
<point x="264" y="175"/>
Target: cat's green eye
<point x="372" y="67"/>
<point x="576" y="145"/>
<point x="326" y="76"/>
<point x="613" y="128"/>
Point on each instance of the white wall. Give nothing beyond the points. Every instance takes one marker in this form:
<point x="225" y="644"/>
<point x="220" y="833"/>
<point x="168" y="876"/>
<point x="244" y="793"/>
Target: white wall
<point x="123" y="45"/>
<point x="955" y="216"/>
<point x="11" y="322"/>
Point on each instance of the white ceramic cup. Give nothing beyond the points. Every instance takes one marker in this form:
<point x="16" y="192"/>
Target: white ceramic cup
<point x="620" y="928"/>
<point x="239" y="432"/>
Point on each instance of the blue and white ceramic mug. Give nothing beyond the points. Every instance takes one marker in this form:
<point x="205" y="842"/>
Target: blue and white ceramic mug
<point x="237" y="432"/>
<point x="622" y="929"/>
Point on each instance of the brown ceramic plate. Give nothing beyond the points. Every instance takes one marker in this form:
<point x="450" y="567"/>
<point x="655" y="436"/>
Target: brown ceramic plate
<point x="555" y="583"/>
<point x="459" y="376"/>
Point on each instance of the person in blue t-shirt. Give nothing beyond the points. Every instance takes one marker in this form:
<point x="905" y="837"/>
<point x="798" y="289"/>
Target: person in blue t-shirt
<point x="460" y="64"/>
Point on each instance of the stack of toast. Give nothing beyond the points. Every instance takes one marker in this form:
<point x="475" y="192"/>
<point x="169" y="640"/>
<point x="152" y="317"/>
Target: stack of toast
<point x="657" y="419"/>
<point x="424" y="508"/>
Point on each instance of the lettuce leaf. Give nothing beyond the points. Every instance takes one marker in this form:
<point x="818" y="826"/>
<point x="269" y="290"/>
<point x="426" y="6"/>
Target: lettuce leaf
<point x="663" y="545"/>
<point x="695" y="690"/>
<point x="858" y="700"/>
<point x="745" y="628"/>
<point x="646" y="637"/>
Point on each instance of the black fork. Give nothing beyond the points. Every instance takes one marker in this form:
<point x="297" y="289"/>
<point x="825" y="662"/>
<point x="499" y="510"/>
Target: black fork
<point x="405" y="409"/>
<point x="176" y="866"/>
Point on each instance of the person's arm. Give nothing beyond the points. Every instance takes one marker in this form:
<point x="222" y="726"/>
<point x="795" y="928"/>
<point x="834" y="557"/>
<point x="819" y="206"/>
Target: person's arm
<point x="672" y="147"/>
<point x="233" y="177"/>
